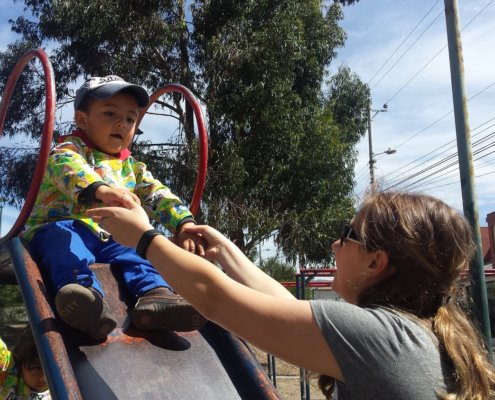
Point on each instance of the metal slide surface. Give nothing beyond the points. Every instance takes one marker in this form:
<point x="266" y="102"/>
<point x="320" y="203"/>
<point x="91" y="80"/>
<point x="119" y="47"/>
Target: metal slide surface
<point x="132" y="364"/>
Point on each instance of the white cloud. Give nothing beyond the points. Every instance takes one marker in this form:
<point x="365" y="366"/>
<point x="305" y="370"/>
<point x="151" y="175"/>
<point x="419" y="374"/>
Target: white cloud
<point x="375" y="30"/>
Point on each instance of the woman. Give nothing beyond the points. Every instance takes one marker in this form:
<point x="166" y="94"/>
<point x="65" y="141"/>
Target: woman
<point x="400" y="333"/>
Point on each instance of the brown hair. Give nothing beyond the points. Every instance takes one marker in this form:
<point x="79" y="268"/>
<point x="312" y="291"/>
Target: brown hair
<point x="85" y="104"/>
<point x="429" y="244"/>
<point x="25" y="351"/>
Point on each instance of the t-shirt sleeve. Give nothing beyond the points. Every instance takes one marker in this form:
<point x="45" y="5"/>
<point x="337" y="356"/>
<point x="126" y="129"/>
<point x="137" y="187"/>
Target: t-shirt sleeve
<point x="354" y="334"/>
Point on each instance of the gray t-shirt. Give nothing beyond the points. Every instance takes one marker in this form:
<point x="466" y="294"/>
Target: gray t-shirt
<point x="382" y="355"/>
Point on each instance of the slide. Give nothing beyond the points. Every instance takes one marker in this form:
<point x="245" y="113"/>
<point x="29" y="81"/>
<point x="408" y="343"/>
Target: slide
<point x="132" y="364"/>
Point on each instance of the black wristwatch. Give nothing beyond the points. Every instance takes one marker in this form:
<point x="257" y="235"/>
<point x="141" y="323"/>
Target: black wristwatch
<point x="145" y="241"/>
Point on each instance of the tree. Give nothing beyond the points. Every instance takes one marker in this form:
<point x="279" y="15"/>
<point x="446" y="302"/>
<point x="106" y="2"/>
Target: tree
<point x="281" y="149"/>
<point x="279" y="271"/>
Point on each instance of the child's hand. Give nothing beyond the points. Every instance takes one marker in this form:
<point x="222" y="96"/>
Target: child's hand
<point x="191" y="242"/>
<point x="114" y="196"/>
<point x="215" y="244"/>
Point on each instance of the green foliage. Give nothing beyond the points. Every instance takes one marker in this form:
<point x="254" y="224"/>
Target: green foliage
<point x="12" y="304"/>
<point x="281" y="148"/>
<point x="279" y="271"/>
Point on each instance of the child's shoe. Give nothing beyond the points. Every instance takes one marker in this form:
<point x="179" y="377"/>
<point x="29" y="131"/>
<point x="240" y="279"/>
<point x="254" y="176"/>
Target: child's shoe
<point x="84" y="309"/>
<point x="160" y="308"/>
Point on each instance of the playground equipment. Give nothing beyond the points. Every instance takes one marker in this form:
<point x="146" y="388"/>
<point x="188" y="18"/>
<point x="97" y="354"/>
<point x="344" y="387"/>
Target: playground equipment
<point x="304" y="279"/>
<point x="130" y="364"/>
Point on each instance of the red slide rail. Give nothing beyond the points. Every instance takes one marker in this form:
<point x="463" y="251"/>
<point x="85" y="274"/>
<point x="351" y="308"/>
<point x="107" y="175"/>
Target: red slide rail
<point x="202" y="132"/>
<point x="50" y="100"/>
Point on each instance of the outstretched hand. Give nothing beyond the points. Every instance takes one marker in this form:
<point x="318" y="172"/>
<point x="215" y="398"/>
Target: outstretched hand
<point x="126" y="224"/>
<point x="214" y="241"/>
<point x="189" y="241"/>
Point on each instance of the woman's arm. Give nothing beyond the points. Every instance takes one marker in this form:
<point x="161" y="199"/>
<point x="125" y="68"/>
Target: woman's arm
<point x="236" y="264"/>
<point x="282" y="326"/>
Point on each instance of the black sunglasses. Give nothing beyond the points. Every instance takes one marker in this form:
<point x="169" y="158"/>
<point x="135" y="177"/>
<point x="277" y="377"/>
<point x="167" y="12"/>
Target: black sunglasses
<point x="348" y="233"/>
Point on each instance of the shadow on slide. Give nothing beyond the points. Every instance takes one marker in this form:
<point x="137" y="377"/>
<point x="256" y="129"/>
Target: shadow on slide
<point x="131" y="364"/>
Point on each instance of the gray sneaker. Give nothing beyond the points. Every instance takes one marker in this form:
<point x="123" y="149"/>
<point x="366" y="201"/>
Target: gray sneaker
<point x="161" y="308"/>
<point x="84" y="309"/>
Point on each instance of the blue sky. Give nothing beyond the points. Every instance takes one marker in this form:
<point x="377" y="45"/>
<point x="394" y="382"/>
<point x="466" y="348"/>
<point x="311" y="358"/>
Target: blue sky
<point x="399" y="48"/>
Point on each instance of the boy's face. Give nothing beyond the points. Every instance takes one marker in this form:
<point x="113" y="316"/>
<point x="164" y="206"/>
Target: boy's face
<point x="35" y="378"/>
<point x="110" y="124"/>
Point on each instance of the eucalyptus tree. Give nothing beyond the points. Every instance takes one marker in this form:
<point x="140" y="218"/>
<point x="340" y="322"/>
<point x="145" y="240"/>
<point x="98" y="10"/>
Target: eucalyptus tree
<point x="282" y="131"/>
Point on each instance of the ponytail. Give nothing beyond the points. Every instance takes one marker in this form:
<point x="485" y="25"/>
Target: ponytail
<point x="326" y="384"/>
<point x="463" y="345"/>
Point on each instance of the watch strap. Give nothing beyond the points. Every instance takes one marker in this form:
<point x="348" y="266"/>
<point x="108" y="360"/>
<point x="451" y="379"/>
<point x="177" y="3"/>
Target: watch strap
<point x="145" y="242"/>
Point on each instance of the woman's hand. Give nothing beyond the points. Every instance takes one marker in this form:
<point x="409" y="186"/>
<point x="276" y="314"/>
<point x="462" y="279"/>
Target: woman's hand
<point x="111" y="196"/>
<point x="126" y="224"/>
<point x="190" y="242"/>
<point x="216" y="243"/>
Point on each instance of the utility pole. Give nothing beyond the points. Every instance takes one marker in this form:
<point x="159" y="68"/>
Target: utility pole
<point x="466" y="168"/>
<point x="370" y="140"/>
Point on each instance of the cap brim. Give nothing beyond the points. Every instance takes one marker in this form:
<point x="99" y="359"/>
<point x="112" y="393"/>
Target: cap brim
<point x="111" y="89"/>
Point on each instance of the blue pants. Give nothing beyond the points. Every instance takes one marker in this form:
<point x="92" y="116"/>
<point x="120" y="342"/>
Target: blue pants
<point x="66" y="249"/>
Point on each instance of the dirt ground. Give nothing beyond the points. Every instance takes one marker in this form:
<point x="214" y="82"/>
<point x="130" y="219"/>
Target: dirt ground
<point x="288" y="378"/>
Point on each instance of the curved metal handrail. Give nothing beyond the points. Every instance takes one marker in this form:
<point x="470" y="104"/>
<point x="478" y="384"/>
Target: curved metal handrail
<point x="47" y="129"/>
<point x="203" y="137"/>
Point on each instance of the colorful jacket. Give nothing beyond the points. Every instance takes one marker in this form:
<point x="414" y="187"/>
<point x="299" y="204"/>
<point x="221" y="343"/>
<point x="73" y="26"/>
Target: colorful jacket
<point x="12" y="386"/>
<point x="74" y="165"/>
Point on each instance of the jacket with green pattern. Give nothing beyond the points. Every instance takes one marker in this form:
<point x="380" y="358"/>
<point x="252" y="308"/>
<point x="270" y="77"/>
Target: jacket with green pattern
<point x="74" y="165"/>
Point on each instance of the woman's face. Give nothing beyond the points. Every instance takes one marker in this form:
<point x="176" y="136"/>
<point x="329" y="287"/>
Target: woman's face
<point x="352" y="261"/>
<point x="34" y="377"/>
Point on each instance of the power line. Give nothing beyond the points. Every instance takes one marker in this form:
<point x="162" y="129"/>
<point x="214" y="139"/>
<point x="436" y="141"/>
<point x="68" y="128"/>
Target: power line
<point x="416" y="74"/>
<point x="445" y="160"/>
<point x="448" y="172"/>
<point x="438" y="163"/>
<point x="447" y="114"/>
<point x="435" y="122"/>
<point x="475" y="144"/>
<point x="407" y="50"/>
<point x="403" y="41"/>
<point x="438" y="148"/>
<point x="456" y="182"/>
<point x="436" y="54"/>
<point x="485" y="165"/>
<point x="424" y="129"/>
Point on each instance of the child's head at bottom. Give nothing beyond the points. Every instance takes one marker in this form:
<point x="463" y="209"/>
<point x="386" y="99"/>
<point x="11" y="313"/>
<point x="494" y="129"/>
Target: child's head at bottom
<point x="28" y="361"/>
